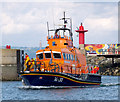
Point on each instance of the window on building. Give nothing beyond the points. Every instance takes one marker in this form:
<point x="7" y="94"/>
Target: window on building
<point x="40" y="56"/>
<point x="57" y="55"/>
<point x="47" y="55"/>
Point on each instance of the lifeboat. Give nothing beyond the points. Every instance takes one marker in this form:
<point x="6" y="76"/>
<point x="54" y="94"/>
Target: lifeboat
<point x="60" y="63"/>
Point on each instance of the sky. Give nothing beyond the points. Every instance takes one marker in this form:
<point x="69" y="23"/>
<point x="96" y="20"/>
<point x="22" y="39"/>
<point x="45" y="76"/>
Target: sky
<point x="23" y="24"/>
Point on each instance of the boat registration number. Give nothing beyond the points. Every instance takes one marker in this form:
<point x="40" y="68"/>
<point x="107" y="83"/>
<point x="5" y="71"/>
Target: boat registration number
<point x="58" y="79"/>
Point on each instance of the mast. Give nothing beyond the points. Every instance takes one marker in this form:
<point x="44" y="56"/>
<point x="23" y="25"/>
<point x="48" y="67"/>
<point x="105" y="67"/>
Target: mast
<point x="48" y="29"/>
<point x="65" y="21"/>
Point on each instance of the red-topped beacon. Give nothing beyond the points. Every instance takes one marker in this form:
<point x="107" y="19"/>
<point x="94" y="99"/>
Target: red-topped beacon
<point x="81" y="34"/>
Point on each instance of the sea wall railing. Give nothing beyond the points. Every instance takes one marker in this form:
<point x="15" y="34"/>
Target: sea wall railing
<point x="105" y="51"/>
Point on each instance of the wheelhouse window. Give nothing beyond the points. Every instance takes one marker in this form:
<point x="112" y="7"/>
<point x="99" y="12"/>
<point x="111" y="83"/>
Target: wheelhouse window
<point x="69" y="57"/>
<point x="64" y="57"/>
<point x="47" y="55"/>
<point x="40" y="56"/>
<point x="72" y="57"/>
<point x="57" y="55"/>
<point x="75" y="58"/>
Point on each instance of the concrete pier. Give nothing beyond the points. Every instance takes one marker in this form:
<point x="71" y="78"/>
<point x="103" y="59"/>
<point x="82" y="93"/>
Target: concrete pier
<point x="82" y="49"/>
<point x="9" y="59"/>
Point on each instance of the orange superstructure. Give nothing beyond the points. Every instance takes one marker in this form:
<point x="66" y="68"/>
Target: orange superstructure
<point x="64" y="56"/>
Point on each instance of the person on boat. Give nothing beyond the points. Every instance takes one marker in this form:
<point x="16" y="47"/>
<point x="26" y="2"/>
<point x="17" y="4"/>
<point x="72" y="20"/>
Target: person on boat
<point x="32" y="61"/>
<point x="27" y="62"/>
<point x="56" y="36"/>
<point x="32" y="64"/>
<point x="95" y="69"/>
<point x="26" y="57"/>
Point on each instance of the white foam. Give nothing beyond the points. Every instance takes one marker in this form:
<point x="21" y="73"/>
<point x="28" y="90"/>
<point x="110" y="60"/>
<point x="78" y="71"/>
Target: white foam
<point x="110" y="84"/>
<point x="50" y="87"/>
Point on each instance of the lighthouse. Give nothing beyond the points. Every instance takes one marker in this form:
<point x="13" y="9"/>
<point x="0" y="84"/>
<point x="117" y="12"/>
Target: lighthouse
<point x="81" y="32"/>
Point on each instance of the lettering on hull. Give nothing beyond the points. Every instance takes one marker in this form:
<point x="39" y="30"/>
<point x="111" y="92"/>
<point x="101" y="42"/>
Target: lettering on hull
<point x="58" y="79"/>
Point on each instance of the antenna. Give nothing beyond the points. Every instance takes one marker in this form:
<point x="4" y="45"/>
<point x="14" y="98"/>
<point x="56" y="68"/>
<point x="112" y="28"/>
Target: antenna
<point x="71" y="24"/>
<point x="48" y="29"/>
<point x="64" y="20"/>
<point x="71" y="28"/>
<point x="40" y="45"/>
<point x="64" y="17"/>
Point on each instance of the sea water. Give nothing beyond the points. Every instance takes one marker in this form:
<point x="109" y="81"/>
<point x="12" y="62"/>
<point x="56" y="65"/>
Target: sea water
<point x="108" y="90"/>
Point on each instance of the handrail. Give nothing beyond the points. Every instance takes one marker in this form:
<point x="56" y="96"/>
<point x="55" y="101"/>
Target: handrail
<point x="39" y="65"/>
<point x="56" y="67"/>
<point x="92" y="69"/>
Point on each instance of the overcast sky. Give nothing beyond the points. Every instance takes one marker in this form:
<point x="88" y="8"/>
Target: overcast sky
<point x="24" y="23"/>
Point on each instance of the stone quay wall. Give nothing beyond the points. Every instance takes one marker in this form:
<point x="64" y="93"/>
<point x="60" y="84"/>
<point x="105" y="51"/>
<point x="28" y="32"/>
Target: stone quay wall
<point x="105" y="65"/>
<point x="8" y="64"/>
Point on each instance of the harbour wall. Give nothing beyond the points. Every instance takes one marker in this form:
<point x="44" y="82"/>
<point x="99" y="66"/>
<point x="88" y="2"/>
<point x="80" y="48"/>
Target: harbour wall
<point x="9" y="64"/>
<point x="105" y="65"/>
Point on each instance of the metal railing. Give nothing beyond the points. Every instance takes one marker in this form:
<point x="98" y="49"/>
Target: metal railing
<point x="105" y="52"/>
<point x="93" y="69"/>
<point x="41" y="66"/>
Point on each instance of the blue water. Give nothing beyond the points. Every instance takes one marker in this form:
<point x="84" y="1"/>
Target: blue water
<point x="108" y="90"/>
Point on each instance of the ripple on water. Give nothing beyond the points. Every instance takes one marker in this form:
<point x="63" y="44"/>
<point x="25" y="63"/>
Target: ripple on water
<point x="106" y="91"/>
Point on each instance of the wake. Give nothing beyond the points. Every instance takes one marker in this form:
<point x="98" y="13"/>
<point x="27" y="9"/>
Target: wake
<point x="65" y="87"/>
<point x="51" y="87"/>
<point x="109" y="84"/>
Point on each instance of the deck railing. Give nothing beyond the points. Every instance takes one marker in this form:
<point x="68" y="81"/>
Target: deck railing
<point x="54" y="67"/>
<point x="42" y="66"/>
<point x="93" y="69"/>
